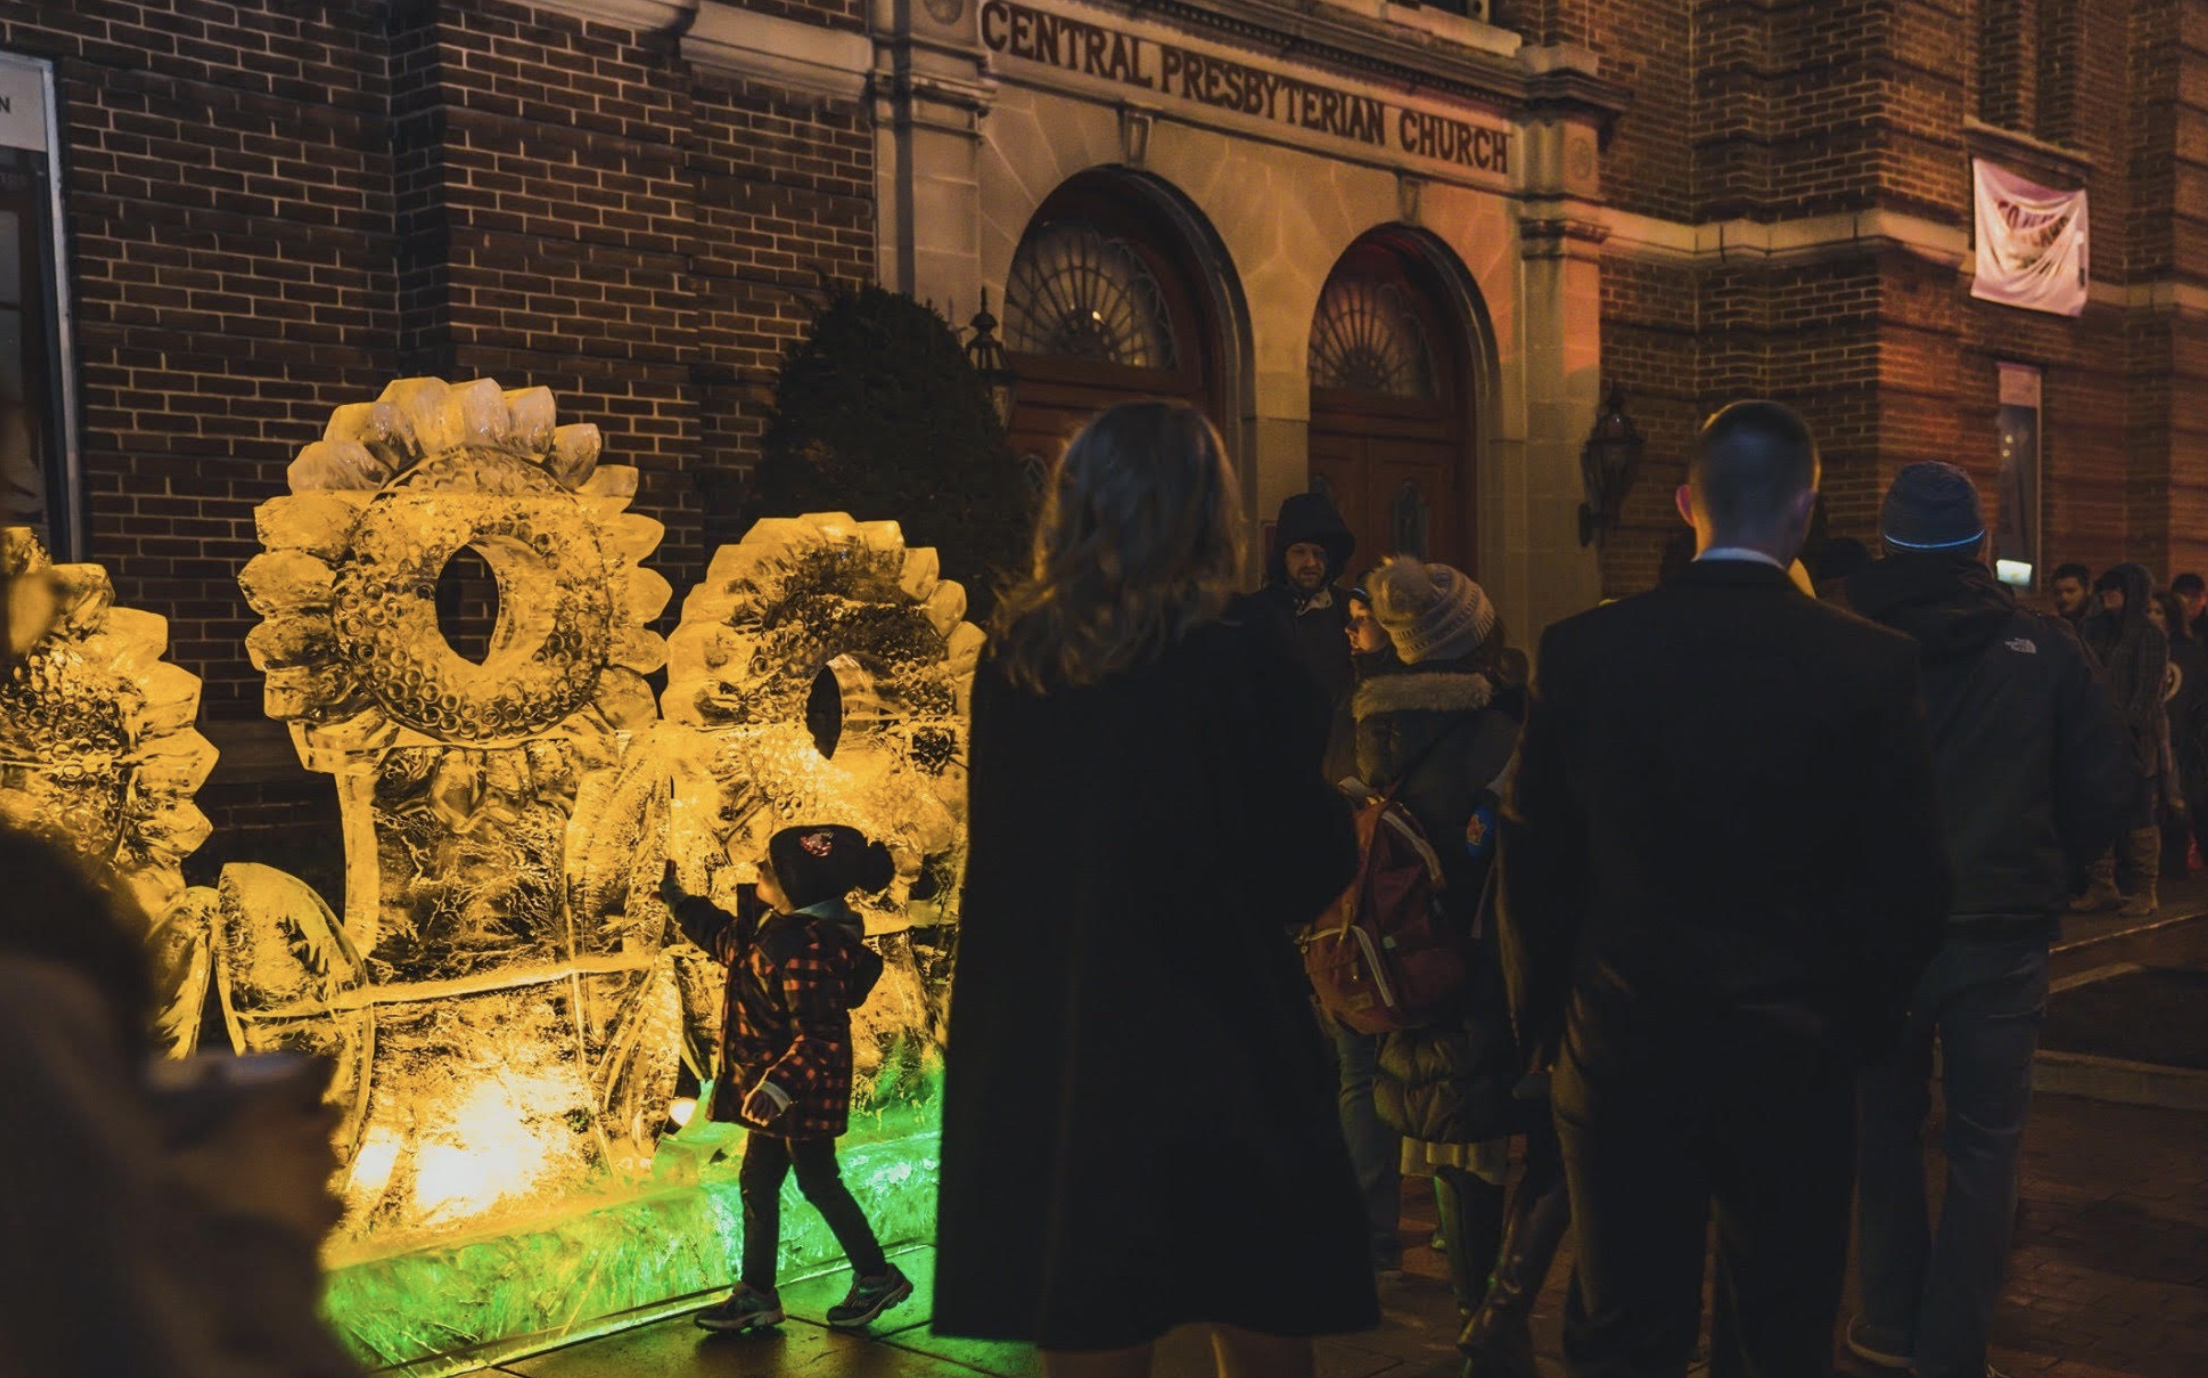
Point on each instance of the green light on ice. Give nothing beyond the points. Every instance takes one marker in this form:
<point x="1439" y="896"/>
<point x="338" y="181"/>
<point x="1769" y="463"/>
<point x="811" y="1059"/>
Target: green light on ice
<point x="470" y="1301"/>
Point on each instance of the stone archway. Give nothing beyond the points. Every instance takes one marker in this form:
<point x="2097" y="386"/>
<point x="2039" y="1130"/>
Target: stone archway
<point x="1394" y="401"/>
<point x="1109" y="299"/>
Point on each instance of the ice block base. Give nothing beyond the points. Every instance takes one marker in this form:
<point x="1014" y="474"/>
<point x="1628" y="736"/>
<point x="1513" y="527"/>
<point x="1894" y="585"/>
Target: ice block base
<point x="468" y="1303"/>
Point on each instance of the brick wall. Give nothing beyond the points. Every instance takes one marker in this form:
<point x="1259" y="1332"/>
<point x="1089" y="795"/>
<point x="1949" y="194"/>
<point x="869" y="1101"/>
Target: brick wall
<point x="275" y="208"/>
<point x="1795" y="109"/>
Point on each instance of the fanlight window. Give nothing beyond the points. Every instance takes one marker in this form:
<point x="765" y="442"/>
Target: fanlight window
<point x="1077" y="293"/>
<point x="1366" y="338"/>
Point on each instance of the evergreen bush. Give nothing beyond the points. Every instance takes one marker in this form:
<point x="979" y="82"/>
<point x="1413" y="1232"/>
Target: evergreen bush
<point x="879" y="413"/>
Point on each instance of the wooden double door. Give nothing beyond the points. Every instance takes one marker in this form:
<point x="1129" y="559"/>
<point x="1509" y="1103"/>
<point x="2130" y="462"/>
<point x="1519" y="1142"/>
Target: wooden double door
<point x="1391" y="419"/>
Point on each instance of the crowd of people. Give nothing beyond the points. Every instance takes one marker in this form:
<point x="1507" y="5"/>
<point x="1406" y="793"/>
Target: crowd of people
<point x="1720" y="876"/>
<point x="1687" y="904"/>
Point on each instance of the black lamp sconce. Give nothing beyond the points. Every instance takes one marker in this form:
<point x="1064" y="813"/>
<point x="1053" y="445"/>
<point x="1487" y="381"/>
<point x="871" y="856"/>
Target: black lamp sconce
<point x="1608" y="463"/>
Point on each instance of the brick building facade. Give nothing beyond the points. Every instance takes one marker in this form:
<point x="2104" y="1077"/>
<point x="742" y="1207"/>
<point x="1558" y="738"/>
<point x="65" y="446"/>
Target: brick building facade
<point x="1395" y="250"/>
<point x="272" y="209"/>
<point x="1789" y="207"/>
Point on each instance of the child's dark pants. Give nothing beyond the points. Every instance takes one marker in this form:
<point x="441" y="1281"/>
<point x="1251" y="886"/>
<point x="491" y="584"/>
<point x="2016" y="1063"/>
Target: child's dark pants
<point x="767" y="1160"/>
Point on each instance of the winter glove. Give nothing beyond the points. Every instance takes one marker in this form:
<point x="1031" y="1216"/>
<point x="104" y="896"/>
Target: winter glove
<point x="1479" y="829"/>
<point x="766" y="1103"/>
<point x="671" y="892"/>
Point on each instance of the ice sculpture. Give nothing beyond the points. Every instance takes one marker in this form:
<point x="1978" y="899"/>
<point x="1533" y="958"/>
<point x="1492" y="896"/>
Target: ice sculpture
<point x="99" y="753"/>
<point x="821" y="673"/>
<point x="504" y="998"/>
<point x="499" y="1046"/>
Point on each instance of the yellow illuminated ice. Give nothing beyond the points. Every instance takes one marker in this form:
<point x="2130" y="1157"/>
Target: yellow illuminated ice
<point x="500" y="1047"/>
<point x="504" y="1001"/>
<point x="98" y="752"/>
<point x="821" y="674"/>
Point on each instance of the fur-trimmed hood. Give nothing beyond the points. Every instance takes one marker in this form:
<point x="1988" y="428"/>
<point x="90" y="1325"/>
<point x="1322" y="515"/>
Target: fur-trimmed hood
<point x="1422" y="691"/>
<point x="1401" y="717"/>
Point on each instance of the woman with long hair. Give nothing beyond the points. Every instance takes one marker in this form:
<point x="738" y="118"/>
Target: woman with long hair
<point x="1139" y="1123"/>
<point x="2185" y="742"/>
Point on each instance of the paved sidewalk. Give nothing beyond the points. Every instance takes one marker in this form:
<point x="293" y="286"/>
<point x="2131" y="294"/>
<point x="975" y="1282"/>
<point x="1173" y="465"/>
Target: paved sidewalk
<point x="2108" y="1277"/>
<point x="1418" y="1341"/>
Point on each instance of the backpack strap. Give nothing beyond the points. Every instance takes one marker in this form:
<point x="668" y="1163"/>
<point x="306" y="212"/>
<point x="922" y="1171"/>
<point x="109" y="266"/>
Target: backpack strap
<point x="1387" y="801"/>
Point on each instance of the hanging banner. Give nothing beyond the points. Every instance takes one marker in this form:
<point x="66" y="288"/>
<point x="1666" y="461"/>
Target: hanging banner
<point x="2031" y="242"/>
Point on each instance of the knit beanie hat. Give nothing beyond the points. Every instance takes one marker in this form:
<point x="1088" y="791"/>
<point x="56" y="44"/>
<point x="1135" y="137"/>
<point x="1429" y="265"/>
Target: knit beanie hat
<point x="1430" y="612"/>
<point x="818" y="863"/>
<point x="1932" y="507"/>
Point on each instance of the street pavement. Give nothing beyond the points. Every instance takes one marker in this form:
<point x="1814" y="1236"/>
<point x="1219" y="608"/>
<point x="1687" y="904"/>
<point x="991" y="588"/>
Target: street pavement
<point x="2108" y="1277"/>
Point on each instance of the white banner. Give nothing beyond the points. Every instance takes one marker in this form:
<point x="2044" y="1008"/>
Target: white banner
<point x="2031" y="242"/>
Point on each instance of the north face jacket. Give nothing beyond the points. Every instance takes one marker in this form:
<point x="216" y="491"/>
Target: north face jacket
<point x="2034" y="766"/>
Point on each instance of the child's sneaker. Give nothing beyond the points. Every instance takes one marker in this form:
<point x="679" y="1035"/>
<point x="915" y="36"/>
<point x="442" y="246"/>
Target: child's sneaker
<point x="747" y="1308"/>
<point x="869" y="1298"/>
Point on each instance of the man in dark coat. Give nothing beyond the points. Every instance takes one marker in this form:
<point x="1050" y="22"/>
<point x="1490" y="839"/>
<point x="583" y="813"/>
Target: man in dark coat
<point x="2071" y="586"/>
<point x="1311" y="550"/>
<point x="2136" y="656"/>
<point x="1723" y="878"/>
<point x="2035" y="777"/>
<point x="2192" y="591"/>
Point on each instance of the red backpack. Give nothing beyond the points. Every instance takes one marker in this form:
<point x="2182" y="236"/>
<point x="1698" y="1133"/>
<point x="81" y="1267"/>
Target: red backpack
<point x="1383" y="958"/>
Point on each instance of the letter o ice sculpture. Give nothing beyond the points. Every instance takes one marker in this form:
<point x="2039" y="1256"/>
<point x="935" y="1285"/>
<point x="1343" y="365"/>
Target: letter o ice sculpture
<point x="822" y="673"/>
<point x="497" y="1051"/>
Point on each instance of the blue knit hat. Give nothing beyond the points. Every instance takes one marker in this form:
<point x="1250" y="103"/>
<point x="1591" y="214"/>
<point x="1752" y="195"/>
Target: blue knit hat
<point x="1932" y="508"/>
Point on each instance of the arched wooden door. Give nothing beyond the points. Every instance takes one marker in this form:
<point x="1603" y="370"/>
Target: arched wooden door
<point x="1391" y="414"/>
<point x="1104" y="304"/>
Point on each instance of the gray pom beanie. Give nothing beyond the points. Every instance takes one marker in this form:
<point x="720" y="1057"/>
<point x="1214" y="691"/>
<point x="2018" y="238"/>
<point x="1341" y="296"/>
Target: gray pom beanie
<point x="1430" y="612"/>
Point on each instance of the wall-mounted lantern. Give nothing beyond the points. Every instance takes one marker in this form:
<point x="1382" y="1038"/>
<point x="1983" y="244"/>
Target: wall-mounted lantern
<point x="1608" y="463"/>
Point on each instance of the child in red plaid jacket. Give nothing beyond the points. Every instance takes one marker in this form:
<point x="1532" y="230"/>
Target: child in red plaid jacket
<point x="795" y="972"/>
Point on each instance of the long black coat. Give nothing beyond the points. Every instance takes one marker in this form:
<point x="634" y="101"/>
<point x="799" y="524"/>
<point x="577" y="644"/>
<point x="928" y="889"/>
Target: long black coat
<point x="1723" y="801"/>
<point x="1139" y="1124"/>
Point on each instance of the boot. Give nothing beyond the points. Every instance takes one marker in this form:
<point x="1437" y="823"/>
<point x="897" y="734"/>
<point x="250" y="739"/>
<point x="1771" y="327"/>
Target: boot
<point x="1498" y="1339"/>
<point x="1471" y="1211"/>
<point x="2143" y="849"/>
<point x="2100" y="894"/>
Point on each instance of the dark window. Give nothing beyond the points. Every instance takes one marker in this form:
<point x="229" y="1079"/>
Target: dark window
<point x="38" y="480"/>
<point x="2016" y="533"/>
<point x="1366" y="338"/>
<point x="1078" y="293"/>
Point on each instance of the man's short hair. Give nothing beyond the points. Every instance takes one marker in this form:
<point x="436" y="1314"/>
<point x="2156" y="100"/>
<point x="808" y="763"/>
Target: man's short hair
<point x="2190" y="585"/>
<point x="2073" y="570"/>
<point x="1750" y="462"/>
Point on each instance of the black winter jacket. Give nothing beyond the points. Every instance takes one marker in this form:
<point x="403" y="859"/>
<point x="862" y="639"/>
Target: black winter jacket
<point x="2137" y="657"/>
<point x="1316" y="626"/>
<point x="2033" y="763"/>
<point x="1453" y="731"/>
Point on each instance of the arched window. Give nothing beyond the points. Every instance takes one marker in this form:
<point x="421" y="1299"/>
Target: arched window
<point x="1077" y="293"/>
<point x="1366" y="338"/>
